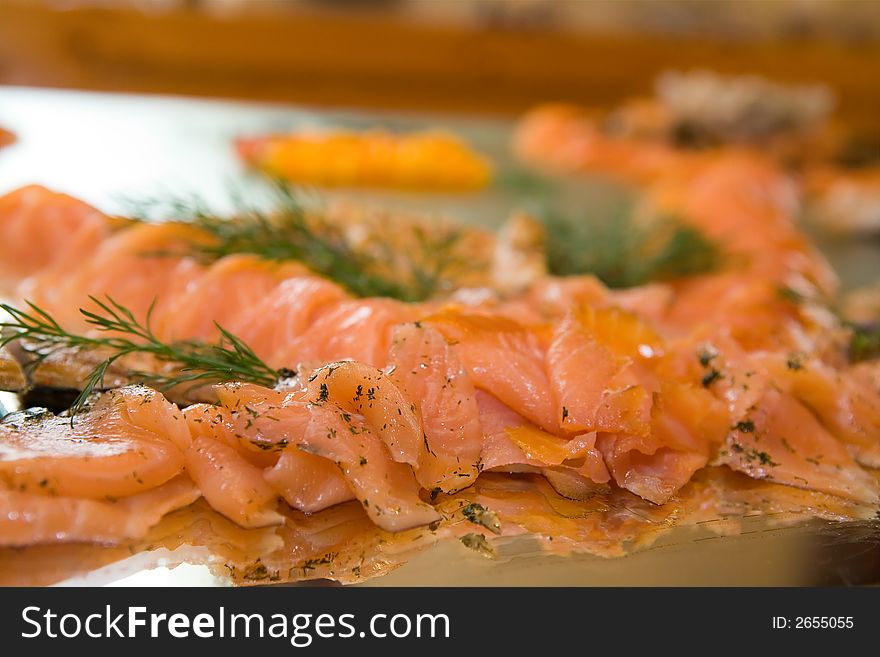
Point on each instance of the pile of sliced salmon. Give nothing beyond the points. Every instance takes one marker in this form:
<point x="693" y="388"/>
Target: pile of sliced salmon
<point x="394" y="404"/>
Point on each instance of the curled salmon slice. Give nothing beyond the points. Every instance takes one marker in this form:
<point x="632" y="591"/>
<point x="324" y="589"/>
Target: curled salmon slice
<point x="219" y="423"/>
<point x="499" y="451"/>
<point x="430" y="374"/>
<point x="334" y="440"/>
<point x="687" y="425"/>
<point x="358" y="388"/>
<point x="714" y="362"/>
<point x="33" y="519"/>
<point x="231" y="485"/>
<point x="130" y="441"/>
<point x="654" y="476"/>
<point x="689" y="418"/>
<point x="232" y="444"/>
<point x="307" y="482"/>
<point x="748" y="307"/>
<point x="263" y="421"/>
<point x="593" y="389"/>
<point x="580" y="371"/>
<point x="386" y="489"/>
<point x="780" y="440"/>
<point x="578" y="454"/>
<point x="503" y="358"/>
<point x="573" y="466"/>
<point x="265" y="426"/>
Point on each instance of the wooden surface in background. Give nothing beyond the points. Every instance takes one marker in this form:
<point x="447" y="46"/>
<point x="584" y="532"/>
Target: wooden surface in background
<point x="392" y="63"/>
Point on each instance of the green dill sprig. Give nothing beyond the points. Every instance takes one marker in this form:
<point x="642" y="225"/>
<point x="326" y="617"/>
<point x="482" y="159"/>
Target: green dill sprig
<point x="287" y="231"/>
<point x="623" y="252"/>
<point x="199" y="363"/>
<point x="864" y="343"/>
<point x="524" y="182"/>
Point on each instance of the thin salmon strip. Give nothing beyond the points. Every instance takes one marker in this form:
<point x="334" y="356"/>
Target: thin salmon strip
<point x="499" y="451"/>
<point x="259" y="422"/>
<point x="263" y="427"/>
<point x="33" y="519"/>
<point x="781" y="441"/>
<point x="323" y="421"/>
<point x="130" y="441"/>
<point x="40" y="230"/>
<point x="578" y="455"/>
<point x="230" y="451"/>
<point x="564" y="138"/>
<point x="387" y="489"/>
<point x="432" y="376"/>
<point x="687" y="424"/>
<point x="581" y="371"/>
<point x="221" y="424"/>
<point x="689" y="418"/>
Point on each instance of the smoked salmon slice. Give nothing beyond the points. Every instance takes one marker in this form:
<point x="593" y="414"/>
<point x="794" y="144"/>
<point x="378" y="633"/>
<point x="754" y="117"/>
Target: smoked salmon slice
<point x="231" y="484"/>
<point x="347" y="433"/>
<point x="229" y="287"/>
<point x="843" y="404"/>
<point x="272" y="321"/>
<point x="504" y="359"/>
<point x="106" y="476"/>
<point x="141" y="251"/>
<point x="308" y="482"/>
<point x="28" y="519"/>
<point x="386" y="489"/>
<point x="131" y="440"/>
<point x="429" y="373"/>
<point x="40" y="230"/>
<point x="781" y="441"/>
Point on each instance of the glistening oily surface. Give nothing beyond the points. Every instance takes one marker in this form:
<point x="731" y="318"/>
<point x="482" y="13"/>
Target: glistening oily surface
<point x="345" y="543"/>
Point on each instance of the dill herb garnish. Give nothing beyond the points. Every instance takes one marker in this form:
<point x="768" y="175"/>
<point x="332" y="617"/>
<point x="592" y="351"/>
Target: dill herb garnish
<point x="480" y="515"/>
<point x="478" y="543"/>
<point x="289" y="231"/>
<point x="522" y="181"/>
<point x="199" y="363"/>
<point x="864" y="343"/>
<point x="623" y="252"/>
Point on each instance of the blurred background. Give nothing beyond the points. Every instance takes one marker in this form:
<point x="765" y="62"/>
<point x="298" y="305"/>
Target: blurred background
<point x="486" y="56"/>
